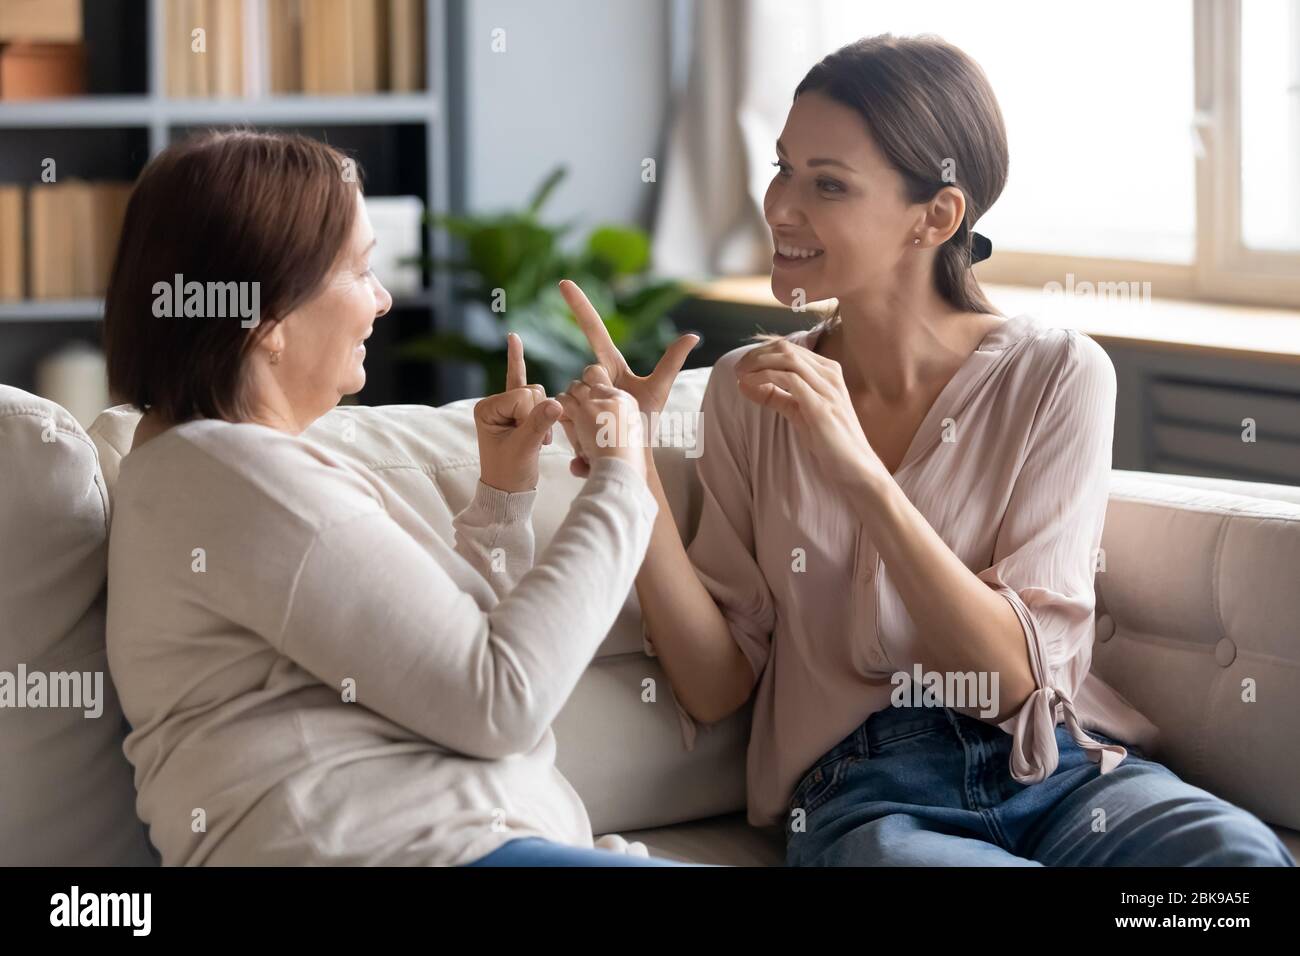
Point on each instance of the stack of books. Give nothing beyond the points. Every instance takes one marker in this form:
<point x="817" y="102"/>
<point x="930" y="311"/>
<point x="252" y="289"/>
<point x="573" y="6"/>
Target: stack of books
<point x="41" y="53"/>
<point x="57" y="240"/>
<point x="249" y="48"/>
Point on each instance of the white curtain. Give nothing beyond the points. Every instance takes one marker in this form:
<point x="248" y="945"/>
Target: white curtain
<point x="746" y="59"/>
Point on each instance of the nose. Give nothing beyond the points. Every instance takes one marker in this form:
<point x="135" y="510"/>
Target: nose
<point x="384" y="299"/>
<point x="781" y="205"/>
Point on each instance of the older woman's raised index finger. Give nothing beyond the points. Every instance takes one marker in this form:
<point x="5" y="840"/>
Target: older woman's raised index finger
<point x="591" y="324"/>
<point x="516" y="373"/>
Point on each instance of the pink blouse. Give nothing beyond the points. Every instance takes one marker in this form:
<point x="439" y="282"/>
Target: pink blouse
<point x="1011" y="466"/>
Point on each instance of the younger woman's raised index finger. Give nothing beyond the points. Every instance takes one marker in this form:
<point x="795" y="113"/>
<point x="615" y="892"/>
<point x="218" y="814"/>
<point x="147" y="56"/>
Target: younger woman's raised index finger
<point x="516" y="373"/>
<point x="589" y="320"/>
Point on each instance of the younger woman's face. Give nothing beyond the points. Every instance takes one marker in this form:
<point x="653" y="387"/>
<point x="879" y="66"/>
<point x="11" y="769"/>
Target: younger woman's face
<point x="324" y="339"/>
<point x="836" y="207"/>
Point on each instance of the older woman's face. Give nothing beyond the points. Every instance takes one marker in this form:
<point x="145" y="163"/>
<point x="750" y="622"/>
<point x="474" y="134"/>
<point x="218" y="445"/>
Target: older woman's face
<point x="324" y="339"/>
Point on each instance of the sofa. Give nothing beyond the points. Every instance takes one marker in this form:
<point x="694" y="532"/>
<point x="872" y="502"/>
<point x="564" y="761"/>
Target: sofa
<point x="1197" y="603"/>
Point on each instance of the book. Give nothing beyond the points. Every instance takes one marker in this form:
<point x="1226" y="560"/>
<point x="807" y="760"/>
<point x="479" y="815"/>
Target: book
<point x="176" y="48"/>
<point x="108" y="200"/>
<point x="225" y="48"/>
<point x="50" y="253"/>
<point x="327" y="52"/>
<point x="30" y="71"/>
<point x="256" y="78"/>
<point x="78" y="231"/>
<point x="284" y="45"/>
<point x="197" y="14"/>
<point x="13" y="246"/>
<point x="48" y="21"/>
<point x="369" y="42"/>
<point x="406" y="45"/>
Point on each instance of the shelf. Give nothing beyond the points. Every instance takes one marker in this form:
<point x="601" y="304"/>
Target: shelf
<point x="327" y="110"/>
<point x="52" y="310"/>
<point x="78" y="111"/>
<point x="83" y="310"/>
<point x="113" y="111"/>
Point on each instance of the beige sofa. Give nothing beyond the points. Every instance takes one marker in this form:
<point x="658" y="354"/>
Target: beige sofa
<point x="1199" y="593"/>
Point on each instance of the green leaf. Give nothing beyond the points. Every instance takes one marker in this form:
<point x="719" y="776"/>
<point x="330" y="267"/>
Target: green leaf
<point x="625" y="249"/>
<point x="547" y="187"/>
<point x="652" y="301"/>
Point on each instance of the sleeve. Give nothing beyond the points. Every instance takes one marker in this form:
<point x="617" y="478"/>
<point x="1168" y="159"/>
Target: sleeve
<point x="1045" y="554"/>
<point x="424" y="655"/>
<point x="494" y="533"/>
<point x="722" y="551"/>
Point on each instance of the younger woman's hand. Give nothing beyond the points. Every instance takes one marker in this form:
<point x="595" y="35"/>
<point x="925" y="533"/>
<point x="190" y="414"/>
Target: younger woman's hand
<point x="650" y="391"/>
<point x="602" y="422"/>
<point x="808" y="390"/>
<point x="513" y="425"/>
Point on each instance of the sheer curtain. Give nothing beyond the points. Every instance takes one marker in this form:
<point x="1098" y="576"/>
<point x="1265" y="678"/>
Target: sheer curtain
<point x="1097" y="98"/>
<point x="747" y="57"/>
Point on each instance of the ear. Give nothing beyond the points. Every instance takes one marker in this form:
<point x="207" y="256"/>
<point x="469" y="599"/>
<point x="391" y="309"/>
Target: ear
<point x="272" y="337"/>
<point x="943" y="216"/>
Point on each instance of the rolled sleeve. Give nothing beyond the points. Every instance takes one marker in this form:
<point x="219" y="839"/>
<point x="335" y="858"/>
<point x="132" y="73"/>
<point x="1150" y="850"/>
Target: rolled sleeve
<point x="722" y="551"/>
<point x="1045" y="555"/>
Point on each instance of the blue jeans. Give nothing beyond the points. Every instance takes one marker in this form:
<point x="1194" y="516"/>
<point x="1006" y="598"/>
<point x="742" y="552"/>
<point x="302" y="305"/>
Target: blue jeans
<point x="534" y="851"/>
<point x="916" y="786"/>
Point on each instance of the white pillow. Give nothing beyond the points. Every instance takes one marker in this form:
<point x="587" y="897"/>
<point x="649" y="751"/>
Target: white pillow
<point x="66" y="791"/>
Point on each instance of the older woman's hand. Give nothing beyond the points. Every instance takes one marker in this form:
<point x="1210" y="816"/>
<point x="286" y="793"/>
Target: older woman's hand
<point x="513" y="425"/>
<point x="602" y="421"/>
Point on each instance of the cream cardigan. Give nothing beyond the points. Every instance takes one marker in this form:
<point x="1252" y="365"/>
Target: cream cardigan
<point x="314" y="676"/>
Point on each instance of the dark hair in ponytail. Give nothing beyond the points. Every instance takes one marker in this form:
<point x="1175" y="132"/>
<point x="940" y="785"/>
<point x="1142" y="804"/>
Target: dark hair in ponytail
<point x="931" y="110"/>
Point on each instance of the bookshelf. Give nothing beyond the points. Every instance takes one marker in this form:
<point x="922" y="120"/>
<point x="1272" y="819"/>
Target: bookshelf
<point x="400" y="139"/>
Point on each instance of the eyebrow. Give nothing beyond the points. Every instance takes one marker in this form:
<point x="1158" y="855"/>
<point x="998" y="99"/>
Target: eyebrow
<point x="823" y="161"/>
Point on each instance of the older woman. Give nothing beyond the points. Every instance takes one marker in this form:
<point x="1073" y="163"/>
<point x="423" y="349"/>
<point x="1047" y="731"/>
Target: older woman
<point x="312" y="675"/>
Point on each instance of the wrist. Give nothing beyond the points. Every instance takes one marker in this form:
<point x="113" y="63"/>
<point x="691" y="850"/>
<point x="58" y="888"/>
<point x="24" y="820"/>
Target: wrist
<point x="507" y="483"/>
<point x="871" y="485"/>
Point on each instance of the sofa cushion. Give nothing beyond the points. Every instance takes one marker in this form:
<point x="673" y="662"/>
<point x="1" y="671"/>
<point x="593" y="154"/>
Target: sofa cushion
<point x="66" y="791"/>
<point x="1196" y="625"/>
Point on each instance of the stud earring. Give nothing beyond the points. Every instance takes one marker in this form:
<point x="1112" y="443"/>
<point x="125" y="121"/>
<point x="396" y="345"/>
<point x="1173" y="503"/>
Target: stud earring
<point x="916" y="240"/>
<point x="275" y="358"/>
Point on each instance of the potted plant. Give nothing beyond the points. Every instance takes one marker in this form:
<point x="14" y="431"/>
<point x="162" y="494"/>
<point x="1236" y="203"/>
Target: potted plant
<point x="510" y="266"/>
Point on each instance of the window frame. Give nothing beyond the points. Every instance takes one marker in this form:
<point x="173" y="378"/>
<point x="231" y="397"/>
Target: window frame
<point x="1224" y="268"/>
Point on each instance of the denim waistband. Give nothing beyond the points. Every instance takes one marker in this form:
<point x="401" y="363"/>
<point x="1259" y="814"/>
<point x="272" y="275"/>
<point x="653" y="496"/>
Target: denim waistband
<point x="892" y="723"/>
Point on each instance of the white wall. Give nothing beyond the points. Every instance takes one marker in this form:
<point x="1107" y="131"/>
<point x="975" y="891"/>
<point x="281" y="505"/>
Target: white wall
<point x="583" y="82"/>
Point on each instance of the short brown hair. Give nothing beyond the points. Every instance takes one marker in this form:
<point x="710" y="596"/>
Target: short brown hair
<point x="237" y="206"/>
<point x="931" y="111"/>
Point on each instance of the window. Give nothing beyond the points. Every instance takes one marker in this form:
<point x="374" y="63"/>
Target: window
<point x="1155" y="141"/>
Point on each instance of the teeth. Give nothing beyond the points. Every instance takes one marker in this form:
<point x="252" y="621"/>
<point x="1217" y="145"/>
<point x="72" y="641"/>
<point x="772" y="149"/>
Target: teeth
<point x="796" y="252"/>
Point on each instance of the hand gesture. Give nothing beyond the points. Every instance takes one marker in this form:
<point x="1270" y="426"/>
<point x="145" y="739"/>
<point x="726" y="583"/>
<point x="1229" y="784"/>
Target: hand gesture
<point x="513" y="425"/>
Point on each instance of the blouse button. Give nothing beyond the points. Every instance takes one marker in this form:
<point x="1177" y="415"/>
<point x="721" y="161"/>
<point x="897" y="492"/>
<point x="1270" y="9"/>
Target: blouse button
<point x="1105" y="628"/>
<point x="1225" y="652"/>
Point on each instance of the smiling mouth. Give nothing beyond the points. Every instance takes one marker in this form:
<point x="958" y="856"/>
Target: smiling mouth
<point x="790" y="254"/>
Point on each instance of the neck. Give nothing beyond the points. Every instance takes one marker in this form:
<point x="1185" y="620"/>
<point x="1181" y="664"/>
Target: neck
<point x="888" y="345"/>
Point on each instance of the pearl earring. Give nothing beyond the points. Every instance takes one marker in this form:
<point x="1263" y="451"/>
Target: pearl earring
<point x="275" y="358"/>
<point x="916" y="240"/>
